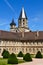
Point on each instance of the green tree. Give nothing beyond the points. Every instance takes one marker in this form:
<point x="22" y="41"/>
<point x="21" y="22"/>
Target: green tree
<point x="12" y="59"/>
<point x="27" y="57"/>
<point x="20" y="54"/>
<point x="38" y="55"/>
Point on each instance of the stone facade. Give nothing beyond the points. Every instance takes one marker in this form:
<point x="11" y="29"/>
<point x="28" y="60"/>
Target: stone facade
<point x="21" y="38"/>
<point x="25" y="47"/>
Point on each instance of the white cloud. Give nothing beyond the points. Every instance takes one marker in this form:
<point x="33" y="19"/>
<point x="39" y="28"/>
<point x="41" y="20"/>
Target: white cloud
<point x="9" y="5"/>
<point x="35" y="19"/>
<point x="2" y="24"/>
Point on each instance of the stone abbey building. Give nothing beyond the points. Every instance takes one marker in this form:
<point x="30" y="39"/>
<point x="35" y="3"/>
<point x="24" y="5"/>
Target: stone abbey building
<point x="21" y="38"/>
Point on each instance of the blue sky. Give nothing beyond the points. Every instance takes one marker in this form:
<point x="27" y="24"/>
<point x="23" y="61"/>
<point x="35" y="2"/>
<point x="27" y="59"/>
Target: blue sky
<point x="11" y="9"/>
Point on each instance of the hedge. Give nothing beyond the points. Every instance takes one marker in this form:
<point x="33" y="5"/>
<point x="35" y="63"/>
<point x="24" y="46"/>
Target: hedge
<point x="27" y="57"/>
<point x="20" y="54"/>
<point x="38" y="55"/>
<point x="12" y="59"/>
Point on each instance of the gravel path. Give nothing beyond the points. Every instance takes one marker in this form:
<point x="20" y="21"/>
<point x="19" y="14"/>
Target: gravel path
<point x="34" y="62"/>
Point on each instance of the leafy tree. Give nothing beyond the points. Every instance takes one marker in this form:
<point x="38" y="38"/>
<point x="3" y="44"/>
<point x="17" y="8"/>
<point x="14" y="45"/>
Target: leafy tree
<point x="38" y="55"/>
<point x="12" y="59"/>
<point x="20" y="54"/>
<point x="27" y="57"/>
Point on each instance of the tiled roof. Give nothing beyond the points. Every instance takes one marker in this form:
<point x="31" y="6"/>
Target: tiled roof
<point x="5" y="35"/>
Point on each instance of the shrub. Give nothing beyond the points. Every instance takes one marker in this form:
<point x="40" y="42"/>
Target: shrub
<point x="6" y="54"/>
<point x="3" y="52"/>
<point x="27" y="57"/>
<point x="38" y="55"/>
<point x="20" y="54"/>
<point x="12" y="59"/>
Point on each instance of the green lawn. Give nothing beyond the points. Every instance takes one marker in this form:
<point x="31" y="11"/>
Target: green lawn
<point x="21" y="61"/>
<point x="4" y="61"/>
<point x="32" y="55"/>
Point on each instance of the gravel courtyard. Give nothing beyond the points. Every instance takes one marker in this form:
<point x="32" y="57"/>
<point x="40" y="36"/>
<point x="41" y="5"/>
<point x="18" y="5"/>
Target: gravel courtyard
<point x="34" y="62"/>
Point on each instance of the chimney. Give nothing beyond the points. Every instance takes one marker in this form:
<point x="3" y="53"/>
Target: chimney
<point x="22" y="34"/>
<point x="37" y="33"/>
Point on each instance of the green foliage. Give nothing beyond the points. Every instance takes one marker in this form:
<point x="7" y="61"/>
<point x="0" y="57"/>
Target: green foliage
<point x="33" y="55"/>
<point x="21" y="61"/>
<point x="20" y="54"/>
<point x="38" y="55"/>
<point x="3" y="52"/>
<point x="5" y="61"/>
<point x="27" y="57"/>
<point x="6" y="54"/>
<point x="12" y="59"/>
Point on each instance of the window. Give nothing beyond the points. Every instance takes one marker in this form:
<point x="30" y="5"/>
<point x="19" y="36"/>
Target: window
<point x="26" y="43"/>
<point x="37" y="49"/>
<point x="30" y="43"/>
<point x="12" y="49"/>
<point x="26" y="49"/>
<point x="22" y="49"/>
<point x="7" y="49"/>
<point x="37" y="43"/>
<point x="33" y="43"/>
<point x="33" y="50"/>
<point x="41" y="50"/>
<point x="23" y="20"/>
<point x="41" y="42"/>
<point x="30" y="49"/>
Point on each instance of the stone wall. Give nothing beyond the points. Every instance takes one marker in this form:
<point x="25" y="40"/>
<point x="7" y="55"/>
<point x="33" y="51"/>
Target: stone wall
<point x="25" y="47"/>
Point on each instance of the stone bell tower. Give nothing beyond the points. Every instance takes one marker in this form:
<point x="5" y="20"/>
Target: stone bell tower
<point x="23" y="21"/>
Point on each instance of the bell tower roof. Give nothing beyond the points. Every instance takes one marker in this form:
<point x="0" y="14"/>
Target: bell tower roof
<point x="13" y="23"/>
<point x="22" y="14"/>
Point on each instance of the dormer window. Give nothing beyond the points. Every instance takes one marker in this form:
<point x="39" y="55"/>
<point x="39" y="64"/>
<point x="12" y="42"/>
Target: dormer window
<point x="16" y="30"/>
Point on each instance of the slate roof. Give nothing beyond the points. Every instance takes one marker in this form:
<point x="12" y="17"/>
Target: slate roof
<point x="22" y="14"/>
<point x="13" y="23"/>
